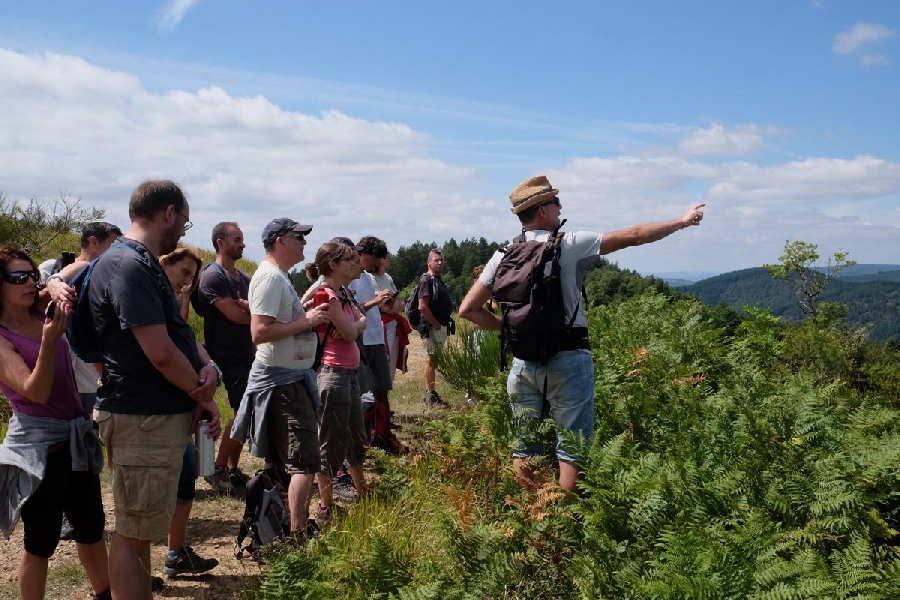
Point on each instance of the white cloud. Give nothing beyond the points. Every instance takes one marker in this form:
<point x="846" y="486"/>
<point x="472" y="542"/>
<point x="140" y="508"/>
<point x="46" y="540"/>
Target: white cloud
<point x="861" y="37"/>
<point x="70" y="125"/>
<point x="716" y="140"/>
<point x="175" y="12"/>
<point x="98" y="133"/>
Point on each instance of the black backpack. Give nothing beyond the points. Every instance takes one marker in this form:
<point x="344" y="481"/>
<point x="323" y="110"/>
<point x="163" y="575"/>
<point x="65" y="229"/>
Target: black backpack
<point x="266" y="519"/>
<point x="82" y="332"/>
<point x="412" y="305"/>
<point x="528" y="288"/>
<point x="200" y="304"/>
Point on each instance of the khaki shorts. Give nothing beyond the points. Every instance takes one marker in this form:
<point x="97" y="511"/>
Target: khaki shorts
<point x="435" y="339"/>
<point x="145" y="458"/>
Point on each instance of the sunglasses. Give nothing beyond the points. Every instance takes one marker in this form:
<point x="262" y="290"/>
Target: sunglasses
<point x="297" y="236"/>
<point x="554" y="201"/>
<point x="20" y="277"/>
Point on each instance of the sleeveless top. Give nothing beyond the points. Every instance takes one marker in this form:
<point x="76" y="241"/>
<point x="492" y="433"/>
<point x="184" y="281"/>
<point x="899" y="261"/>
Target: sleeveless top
<point x="64" y="403"/>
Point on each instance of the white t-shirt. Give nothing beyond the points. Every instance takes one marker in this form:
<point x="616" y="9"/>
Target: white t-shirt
<point x="272" y="295"/>
<point x="579" y="251"/>
<point x="364" y="291"/>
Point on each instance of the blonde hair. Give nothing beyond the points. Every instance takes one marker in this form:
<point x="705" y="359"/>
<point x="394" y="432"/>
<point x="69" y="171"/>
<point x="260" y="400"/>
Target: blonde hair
<point x="179" y="254"/>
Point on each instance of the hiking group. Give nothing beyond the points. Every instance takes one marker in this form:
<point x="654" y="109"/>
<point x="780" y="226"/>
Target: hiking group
<point x="297" y="372"/>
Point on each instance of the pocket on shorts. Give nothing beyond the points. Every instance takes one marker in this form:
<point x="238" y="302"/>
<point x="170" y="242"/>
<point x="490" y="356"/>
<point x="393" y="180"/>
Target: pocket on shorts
<point x="143" y="476"/>
<point x="151" y="422"/>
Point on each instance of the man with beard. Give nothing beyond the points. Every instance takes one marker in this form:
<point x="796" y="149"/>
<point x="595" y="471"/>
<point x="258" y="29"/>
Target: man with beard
<point x="222" y="300"/>
<point x="154" y="387"/>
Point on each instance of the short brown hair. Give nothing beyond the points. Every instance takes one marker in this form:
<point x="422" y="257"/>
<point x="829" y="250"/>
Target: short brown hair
<point x="154" y="196"/>
<point x="220" y="231"/>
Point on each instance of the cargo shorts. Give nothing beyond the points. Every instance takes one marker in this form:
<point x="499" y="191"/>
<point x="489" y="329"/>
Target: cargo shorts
<point x="145" y="454"/>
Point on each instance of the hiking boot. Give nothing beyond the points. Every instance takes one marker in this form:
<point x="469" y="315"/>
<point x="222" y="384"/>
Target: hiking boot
<point x="237" y="477"/>
<point x="219" y="480"/>
<point x="392" y="445"/>
<point x="156" y="584"/>
<point x="67" y="532"/>
<point x="433" y="400"/>
<point x="324" y="517"/>
<point x="186" y="560"/>
<point x="343" y="489"/>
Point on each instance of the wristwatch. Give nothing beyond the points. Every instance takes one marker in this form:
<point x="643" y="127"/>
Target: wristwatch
<point x="218" y="371"/>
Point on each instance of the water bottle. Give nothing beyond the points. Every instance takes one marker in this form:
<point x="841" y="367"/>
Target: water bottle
<point x="206" y="451"/>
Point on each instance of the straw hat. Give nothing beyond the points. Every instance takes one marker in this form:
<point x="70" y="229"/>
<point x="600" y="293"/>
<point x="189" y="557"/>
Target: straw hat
<point x="531" y="192"/>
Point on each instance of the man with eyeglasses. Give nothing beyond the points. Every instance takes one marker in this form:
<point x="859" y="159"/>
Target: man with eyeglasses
<point x="154" y="387"/>
<point x="565" y="384"/>
<point x="278" y="410"/>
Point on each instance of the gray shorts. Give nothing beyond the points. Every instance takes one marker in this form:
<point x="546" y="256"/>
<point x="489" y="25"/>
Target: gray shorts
<point x="342" y="431"/>
<point x="293" y="434"/>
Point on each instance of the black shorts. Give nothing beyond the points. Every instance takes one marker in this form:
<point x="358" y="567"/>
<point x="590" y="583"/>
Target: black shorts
<point x="377" y="360"/>
<point x="234" y="378"/>
<point x="75" y="493"/>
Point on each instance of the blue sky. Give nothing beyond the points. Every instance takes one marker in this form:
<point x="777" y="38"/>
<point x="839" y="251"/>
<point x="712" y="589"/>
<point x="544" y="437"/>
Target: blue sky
<point x="409" y="121"/>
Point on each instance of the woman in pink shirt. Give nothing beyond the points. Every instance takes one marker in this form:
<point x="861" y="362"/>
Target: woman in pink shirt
<point x="341" y="426"/>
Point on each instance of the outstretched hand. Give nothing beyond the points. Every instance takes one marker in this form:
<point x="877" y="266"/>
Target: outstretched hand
<point x="693" y="216"/>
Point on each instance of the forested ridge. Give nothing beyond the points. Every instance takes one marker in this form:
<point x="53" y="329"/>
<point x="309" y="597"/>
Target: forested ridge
<point x="872" y="298"/>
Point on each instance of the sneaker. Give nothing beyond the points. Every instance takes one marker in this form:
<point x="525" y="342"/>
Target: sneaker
<point x="433" y="400"/>
<point x="156" y="584"/>
<point x="67" y="532"/>
<point x="237" y="477"/>
<point x="219" y="480"/>
<point x="343" y="489"/>
<point x="325" y="516"/>
<point x="186" y="561"/>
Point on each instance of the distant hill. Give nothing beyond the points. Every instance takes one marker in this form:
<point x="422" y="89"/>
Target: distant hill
<point x="872" y="295"/>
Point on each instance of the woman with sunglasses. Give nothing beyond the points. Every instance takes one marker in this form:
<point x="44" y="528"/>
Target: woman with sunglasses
<point x="51" y="458"/>
<point x="341" y="425"/>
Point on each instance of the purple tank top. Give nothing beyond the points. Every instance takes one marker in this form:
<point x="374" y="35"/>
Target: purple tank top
<point x="64" y="402"/>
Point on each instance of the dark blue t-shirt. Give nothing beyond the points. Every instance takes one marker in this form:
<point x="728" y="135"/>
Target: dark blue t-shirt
<point x="128" y="289"/>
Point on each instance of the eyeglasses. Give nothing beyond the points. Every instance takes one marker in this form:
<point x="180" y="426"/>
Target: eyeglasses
<point x="20" y="277"/>
<point x="187" y="223"/>
<point x="297" y="236"/>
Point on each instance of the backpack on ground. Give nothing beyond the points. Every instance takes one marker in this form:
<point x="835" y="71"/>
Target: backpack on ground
<point x="528" y="288"/>
<point x="266" y="519"/>
<point x="412" y="305"/>
<point x="82" y="332"/>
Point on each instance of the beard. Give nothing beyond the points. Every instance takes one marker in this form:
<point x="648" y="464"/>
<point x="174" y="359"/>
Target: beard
<point x="169" y="240"/>
<point x="234" y="253"/>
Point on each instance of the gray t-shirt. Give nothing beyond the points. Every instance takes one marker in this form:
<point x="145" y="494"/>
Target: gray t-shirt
<point x="272" y="295"/>
<point x="579" y="251"/>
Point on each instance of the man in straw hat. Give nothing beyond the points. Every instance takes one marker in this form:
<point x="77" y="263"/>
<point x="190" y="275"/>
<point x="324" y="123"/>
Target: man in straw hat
<point x="567" y="378"/>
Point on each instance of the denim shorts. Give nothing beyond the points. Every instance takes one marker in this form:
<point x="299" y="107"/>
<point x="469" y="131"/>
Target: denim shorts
<point x="570" y="399"/>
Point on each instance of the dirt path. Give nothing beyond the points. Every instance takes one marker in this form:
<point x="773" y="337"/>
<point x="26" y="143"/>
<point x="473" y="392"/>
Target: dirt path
<point x="214" y="521"/>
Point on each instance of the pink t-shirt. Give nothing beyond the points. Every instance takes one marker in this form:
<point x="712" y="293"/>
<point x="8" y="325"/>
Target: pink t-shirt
<point x="337" y="353"/>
